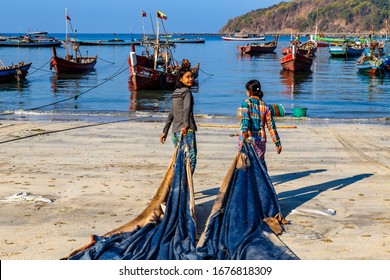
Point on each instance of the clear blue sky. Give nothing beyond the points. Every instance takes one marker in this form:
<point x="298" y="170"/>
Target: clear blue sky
<point x="122" y="16"/>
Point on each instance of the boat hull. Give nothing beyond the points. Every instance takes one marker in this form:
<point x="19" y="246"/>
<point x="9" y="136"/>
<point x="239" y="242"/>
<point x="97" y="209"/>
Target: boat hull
<point x="227" y="38"/>
<point x="296" y="62"/>
<point x="14" y="72"/>
<point x="65" y="66"/>
<point x="374" y="68"/>
<point x="186" y="41"/>
<point x="79" y="65"/>
<point x="144" y="77"/>
<point x="108" y="43"/>
<point x="253" y="49"/>
<point x="18" y="43"/>
<point x="354" y="52"/>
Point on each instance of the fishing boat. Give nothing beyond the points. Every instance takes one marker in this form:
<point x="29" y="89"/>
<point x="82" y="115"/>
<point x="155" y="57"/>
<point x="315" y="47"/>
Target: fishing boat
<point x="347" y="49"/>
<point x="31" y="39"/>
<point x="72" y="63"/>
<point x="182" y="40"/>
<point x="306" y="48"/>
<point x="155" y="68"/>
<point x="293" y="60"/>
<point x="111" y="42"/>
<point x="13" y="73"/>
<point x="243" y="37"/>
<point x="370" y="64"/>
<point x="338" y="50"/>
<point x="259" y="48"/>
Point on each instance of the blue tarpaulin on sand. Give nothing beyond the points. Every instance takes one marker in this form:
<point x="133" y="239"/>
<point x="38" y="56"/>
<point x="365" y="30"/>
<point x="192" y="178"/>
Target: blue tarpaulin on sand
<point x="243" y="223"/>
<point x="156" y="234"/>
<point x="246" y="216"/>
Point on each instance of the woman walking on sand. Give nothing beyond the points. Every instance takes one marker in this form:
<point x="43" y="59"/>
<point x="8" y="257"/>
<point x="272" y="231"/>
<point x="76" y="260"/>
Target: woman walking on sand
<point x="255" y="114"/>
<point x="181" y="116"/>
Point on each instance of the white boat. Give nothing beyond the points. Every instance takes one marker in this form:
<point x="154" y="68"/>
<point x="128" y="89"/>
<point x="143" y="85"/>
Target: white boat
<point x="244" y="37"/>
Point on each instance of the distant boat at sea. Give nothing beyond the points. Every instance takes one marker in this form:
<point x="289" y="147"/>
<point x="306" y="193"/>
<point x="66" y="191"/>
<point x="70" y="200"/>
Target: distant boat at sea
<point x="186" y="40"/>
<point x="243" y="37"/>
<point x="110" y="42"/>
<point x="31" y="39"/>
<point x="258" y="48"/>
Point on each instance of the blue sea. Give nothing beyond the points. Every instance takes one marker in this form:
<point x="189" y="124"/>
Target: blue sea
<point x="333" y="90"/>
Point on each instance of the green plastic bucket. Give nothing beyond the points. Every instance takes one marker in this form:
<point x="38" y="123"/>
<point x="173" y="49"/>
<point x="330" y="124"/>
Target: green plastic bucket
<point x="278" y="110"/>
<point x="299" y="112"/>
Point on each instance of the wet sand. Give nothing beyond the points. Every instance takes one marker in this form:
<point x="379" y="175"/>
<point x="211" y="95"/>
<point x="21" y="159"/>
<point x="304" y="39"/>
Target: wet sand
<point x="332" y="181"/>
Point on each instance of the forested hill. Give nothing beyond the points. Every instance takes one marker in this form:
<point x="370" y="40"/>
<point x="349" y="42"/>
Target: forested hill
<point x="332" y="16"/>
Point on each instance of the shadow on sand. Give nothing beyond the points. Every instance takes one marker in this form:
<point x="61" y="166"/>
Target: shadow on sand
<point x="289" y="200"/>
<point x="292" y="199"/>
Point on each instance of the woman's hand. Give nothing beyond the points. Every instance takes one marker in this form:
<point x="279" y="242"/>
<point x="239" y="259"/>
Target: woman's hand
<point x="246" y="134"/>
<point x="279" y="149"/>
<point x="184" y="131"/>
<point x="163" y="137"/>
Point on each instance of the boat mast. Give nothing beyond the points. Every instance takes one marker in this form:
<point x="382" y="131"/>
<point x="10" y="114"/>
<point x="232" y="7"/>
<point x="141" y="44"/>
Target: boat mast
<point x="166" y="47"/>
<point x="66" y="32"/>
<point x="157" y="44"/>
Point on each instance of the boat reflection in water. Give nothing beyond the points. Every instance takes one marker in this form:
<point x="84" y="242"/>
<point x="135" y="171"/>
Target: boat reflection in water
<point x="12" y="86"/>
<point x="148" y="100"/>
<point x="70" y="83"/>
<point x="247" y="56"/>
<point x="292" y="80"/>
<point x="152" y="100"/>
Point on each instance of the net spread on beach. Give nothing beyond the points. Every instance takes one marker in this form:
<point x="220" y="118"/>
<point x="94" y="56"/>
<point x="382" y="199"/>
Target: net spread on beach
<point x="166" y="229"/>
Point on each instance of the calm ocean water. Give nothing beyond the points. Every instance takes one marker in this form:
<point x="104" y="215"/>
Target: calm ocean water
<point x="333" y="90"/>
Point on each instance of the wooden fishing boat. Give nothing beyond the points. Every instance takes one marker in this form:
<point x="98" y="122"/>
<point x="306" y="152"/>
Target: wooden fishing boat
<point x="346" y="48"/>
<point x="111" y="42"/>
<point x="155" y="69"/>
<point x="145" y="74"/>
<point x="355" y="49"/>
<point x="186" y="40"/>
<point x="370" y="64"/>
<point x="306" y="48"/>
<point x="374" y="67"/>
<point x="338" y="50"/>
<point x="14" y="72"/>
<point x="72" y="63"/>
<point x="258" y="48"/>
<point x="295" y="61"/>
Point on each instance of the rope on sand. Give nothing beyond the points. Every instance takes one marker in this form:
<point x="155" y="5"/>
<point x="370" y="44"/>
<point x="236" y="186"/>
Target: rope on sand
<point x="237" y="126"/>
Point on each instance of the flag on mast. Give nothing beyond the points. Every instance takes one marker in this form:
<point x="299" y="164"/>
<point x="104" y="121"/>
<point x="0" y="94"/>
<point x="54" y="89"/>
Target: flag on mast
<point x="161" y="15"/>
<point x="67" y="17"/>
<point x="143" y="13"/>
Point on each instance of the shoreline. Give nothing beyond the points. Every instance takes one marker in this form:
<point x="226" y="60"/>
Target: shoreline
<point x="21" y="115"/>
<point x="331" y="180"/>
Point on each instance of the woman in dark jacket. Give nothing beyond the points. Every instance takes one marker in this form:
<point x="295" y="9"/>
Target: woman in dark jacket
<point x="181" y="116"/>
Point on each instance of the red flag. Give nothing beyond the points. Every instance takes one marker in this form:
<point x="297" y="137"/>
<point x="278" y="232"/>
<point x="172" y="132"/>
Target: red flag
<point x="161" y="15"/>
<point x="143" y="13"/>
<point x="67" y="17"/>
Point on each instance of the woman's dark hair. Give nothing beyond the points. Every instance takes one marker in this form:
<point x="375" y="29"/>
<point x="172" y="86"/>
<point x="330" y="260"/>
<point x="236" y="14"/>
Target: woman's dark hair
<point x="254" y="88"/>
<point x="181" y="73"/>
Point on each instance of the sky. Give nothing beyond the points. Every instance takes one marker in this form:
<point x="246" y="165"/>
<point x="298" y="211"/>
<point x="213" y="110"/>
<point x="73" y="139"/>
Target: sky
<point x="122" y="16"/>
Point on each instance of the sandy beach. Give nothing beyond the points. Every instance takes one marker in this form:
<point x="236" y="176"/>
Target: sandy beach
<point x="79" y="179"/>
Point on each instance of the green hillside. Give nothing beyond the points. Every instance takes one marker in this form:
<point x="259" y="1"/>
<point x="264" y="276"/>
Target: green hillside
<point x="332" y="16"/>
